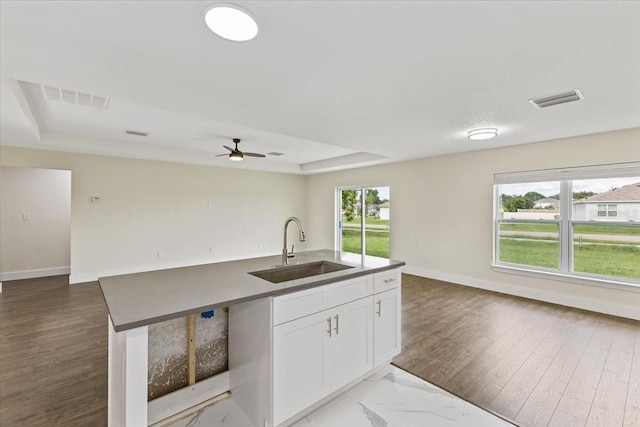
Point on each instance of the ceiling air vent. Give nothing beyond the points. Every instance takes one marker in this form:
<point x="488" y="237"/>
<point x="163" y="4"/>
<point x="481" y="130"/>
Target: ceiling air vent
<point x="560" y="98"/>
<point x="77" y="98"/>
<point x="136" y="133"/>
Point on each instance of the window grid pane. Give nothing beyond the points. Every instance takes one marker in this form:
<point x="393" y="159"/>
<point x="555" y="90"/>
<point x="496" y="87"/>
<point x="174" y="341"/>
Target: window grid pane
<point x="607" y="249"/>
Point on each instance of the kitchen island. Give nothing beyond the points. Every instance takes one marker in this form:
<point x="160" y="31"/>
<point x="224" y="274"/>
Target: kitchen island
<point x="258" y="311"/>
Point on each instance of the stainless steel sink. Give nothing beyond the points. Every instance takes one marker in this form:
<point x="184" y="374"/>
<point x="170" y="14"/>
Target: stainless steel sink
<point x="292" y="272"/>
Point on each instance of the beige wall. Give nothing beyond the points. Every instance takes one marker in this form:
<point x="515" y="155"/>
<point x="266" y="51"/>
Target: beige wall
<point x="175" y="209"/>
<point x="432" y="230"/>
<point x="150" y="207"/>
<point x="39" y="246"/>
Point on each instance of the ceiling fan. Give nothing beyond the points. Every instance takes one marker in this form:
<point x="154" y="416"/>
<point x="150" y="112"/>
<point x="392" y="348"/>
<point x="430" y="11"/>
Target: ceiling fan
<point x="236" y="155"/>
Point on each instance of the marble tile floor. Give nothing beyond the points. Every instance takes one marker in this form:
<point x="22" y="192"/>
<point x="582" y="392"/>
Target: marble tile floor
<point x="389" y="398"/>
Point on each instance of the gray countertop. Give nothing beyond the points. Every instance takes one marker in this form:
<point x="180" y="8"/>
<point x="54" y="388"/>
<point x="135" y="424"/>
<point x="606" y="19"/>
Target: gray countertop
<point x="139" y="299"/>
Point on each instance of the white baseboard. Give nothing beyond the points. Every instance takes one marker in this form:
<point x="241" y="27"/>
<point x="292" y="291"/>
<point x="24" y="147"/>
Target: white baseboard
<point x="614" y="309"/>
<point x="32" y="274"/>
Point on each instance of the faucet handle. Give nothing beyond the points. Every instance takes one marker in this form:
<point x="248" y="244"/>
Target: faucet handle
<point x="291" y="254"/>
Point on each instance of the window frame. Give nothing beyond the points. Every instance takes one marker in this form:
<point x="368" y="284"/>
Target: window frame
<point x="338" y="221"/>
<point x="566" y="223"/>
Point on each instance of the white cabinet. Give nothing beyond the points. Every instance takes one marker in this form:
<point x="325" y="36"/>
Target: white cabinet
<point x="386" y="324"/>
<point x="352" y="342"/>
<point x="387" y="319"/>
<point x="317" y="354"/>
<point x="292" y="352"/>
<point x="300" y="364"/>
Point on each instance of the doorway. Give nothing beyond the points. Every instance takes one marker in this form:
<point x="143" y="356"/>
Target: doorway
<point x="35" y="223"/>
<point x="363" y="218"/>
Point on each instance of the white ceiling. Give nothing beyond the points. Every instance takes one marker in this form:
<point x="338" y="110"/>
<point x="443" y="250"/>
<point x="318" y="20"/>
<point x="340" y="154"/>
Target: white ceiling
<point x="331" y="84"/>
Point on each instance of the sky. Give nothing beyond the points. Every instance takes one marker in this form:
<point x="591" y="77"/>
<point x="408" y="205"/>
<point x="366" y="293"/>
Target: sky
<point x="383" y="192"/>
<point x="552" y="188"/>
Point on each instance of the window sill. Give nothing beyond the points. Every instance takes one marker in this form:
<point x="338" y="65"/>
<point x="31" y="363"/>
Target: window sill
<point x="583" y="280"/>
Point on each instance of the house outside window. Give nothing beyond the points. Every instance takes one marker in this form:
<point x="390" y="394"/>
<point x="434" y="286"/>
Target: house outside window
<point x="580" y="224"/>
<point x="605" y="211"/>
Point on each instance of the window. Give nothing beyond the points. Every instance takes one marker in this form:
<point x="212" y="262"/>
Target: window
<point x="363" y="230"/>
<point x="607" y="211"/>
<point x="592" y="232"/>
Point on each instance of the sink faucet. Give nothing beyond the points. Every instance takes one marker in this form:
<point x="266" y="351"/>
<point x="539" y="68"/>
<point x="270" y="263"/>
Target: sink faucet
<point x="285" y="252"/>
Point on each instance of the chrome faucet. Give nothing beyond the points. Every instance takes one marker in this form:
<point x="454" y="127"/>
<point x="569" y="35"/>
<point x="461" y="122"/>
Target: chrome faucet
<point x="285" y="252"/>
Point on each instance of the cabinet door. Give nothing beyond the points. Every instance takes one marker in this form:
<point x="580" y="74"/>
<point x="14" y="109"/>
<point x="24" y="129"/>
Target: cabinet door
<point x="300" y="355"/>
<point x="352" y="345"/>
<point x="386" y="326"/>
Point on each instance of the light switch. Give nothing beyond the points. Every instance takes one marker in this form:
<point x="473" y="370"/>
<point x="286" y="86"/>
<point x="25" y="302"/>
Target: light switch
<point x="26" y="216"/>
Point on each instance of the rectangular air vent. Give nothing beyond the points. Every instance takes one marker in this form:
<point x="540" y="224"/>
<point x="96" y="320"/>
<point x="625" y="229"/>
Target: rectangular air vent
<point x="560" y="98"/>
<point x="136" y="133"/>
<point x="72" y="97"/>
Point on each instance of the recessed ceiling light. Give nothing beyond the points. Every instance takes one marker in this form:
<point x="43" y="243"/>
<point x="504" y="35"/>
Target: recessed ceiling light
<point x="231" y="23"/>
<point x="480" y="134"/>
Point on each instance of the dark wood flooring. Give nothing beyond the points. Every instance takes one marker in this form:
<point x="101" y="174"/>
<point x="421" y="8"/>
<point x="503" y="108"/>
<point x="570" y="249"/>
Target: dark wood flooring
<point x="534" y="363"/>
<point x="53" y="354"/>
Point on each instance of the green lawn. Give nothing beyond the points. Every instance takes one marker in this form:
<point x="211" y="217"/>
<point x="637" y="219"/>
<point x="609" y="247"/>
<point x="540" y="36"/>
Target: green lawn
<point x="528" y="252"/>
<point x="368" y="220"/>
<point x="607" y="260"/>
<point x="377" y="243"/>
<point x="628" y="230"/>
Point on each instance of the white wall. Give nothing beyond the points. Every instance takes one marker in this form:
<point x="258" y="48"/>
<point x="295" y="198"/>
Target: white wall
<point x="175" y="209"/>
<point x="458" y="246"/>
<point x="39" y="246"/>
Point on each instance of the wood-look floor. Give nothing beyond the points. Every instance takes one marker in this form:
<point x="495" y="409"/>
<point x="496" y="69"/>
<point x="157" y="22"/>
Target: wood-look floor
<point x="534" y="363"/>
<point x="53" y="354"/>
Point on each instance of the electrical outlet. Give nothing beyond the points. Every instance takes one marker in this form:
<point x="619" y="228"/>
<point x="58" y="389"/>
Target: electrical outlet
<point x="211" y="249"/>
<point x="160" y="254"/>
<point x="26" y="216"/>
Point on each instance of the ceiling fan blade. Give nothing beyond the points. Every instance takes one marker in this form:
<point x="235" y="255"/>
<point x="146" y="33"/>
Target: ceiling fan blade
<point x="253" y="154"/>
<point x="229" y="148"/>
<point x="221" y="155"/>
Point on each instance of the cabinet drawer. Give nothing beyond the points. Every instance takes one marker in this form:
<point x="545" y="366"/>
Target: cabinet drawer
<point x="303" y="303"/>
<point x="299" y="304"/>
<point x="386" y="280"/>
<point x="350" y="290"/>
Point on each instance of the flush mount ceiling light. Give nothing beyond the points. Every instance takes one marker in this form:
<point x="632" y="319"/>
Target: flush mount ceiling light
<point x="231" y="23"/>
<point x="480" y="134"/>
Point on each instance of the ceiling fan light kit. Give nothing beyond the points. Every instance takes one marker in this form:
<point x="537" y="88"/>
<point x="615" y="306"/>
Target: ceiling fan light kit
<point x="236" y="155"/>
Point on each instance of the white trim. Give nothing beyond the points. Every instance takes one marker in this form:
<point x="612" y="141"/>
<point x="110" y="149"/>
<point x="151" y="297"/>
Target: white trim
<point x="32" y="274"/>
<point x="617" y="170"/>
<point x="564" y="277"/>
<point x="187" y="398"/>
<point x="614" y="309"/>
